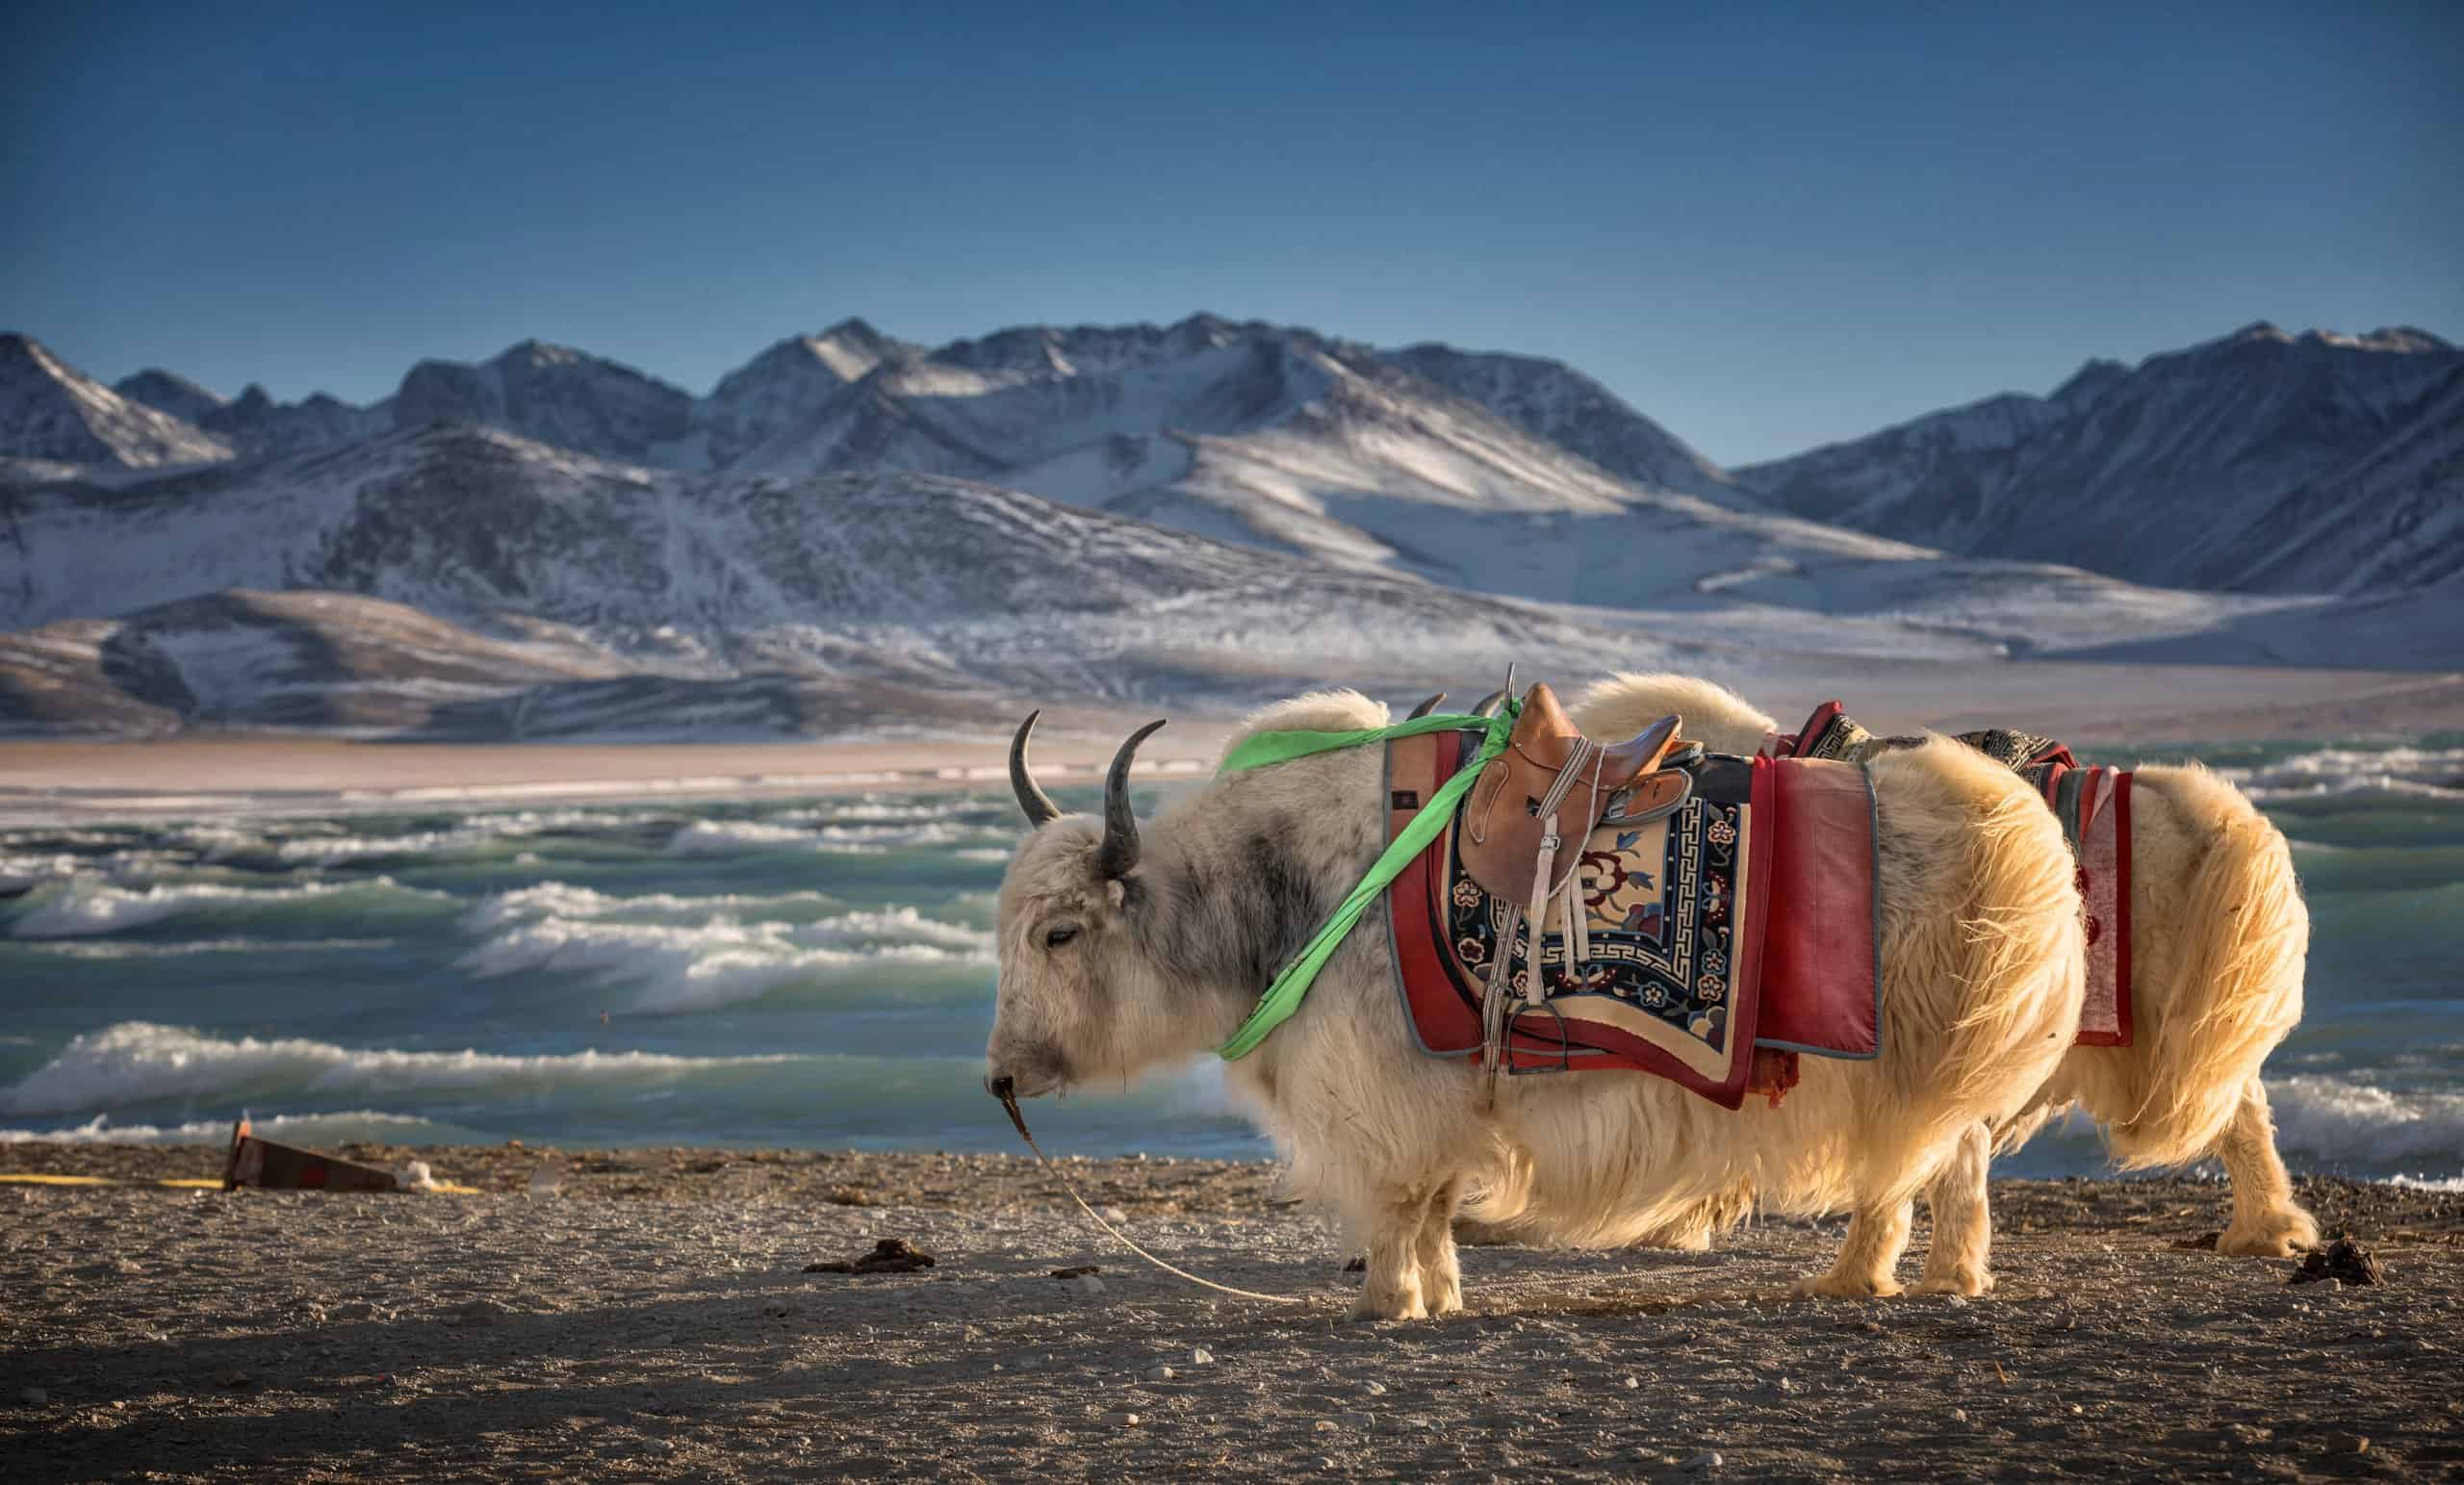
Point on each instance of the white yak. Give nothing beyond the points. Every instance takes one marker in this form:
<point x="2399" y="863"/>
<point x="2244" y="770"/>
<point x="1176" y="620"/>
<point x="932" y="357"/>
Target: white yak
<point x="1124" y="949"/>
<point x="2218" y="935"/>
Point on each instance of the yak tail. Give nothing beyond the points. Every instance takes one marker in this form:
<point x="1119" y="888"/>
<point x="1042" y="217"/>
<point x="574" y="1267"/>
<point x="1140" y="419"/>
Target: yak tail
<point x="2244" y="937"/>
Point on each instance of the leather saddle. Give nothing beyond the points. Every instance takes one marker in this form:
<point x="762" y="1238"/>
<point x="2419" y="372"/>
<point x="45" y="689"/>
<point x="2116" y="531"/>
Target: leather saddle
<point x="1504" y="826"/>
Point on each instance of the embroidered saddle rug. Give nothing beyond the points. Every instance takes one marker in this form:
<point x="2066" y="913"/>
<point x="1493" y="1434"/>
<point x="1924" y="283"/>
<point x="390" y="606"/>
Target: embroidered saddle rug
<point x="1721" y="940"/>
<point x="2093" y="806"/>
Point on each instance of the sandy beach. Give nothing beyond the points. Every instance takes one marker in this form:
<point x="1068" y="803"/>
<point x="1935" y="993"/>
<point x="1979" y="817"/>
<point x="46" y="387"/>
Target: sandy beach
<point x="651" y="1316"/>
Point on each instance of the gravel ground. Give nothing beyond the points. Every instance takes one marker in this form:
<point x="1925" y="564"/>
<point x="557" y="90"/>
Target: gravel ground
<point x="651" y="1316"/>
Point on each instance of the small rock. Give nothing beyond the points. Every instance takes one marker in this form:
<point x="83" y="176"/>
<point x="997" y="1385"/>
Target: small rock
<point x="1324" y="1426"/>
<point x="1328" y="1462"/>
<point x="33" y="1397"/>
<point x="1201" y="1357"/>
<point x="1159" y="1373"/>
<point x="1632" y="1383"/>
<point x="1959" y="1415"/>
<point x="1115" y="1215"/>
<point x="2343" y="1261"/>
<point x="2346" y="1444"/>
<point x="1707" y="1460"/>
<point x="1076" y="1272"/>
<point x="1124" y="1419"/>
<point x="1088" y="1284"/>
<point x="889" y="1255"/>
<point x="1954" y="1301"/>
<point x="1360" y="1421"/>
<point x="1375" y="1389"/>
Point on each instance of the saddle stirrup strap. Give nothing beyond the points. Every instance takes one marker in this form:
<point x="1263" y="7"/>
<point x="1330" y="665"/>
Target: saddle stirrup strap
<point x="1544" y="872"/>
<point x="1495" y="1019"/>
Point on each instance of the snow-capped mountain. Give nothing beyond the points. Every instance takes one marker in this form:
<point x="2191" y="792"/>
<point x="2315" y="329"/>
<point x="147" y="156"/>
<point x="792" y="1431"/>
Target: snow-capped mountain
<point x="166" y="392"/>
<point x="51" y="412"/>
<point x="470" y="567"/>
<point x="554" y="395"/>
<point x="548" y="541"/>
<point x="785" y="383"/>
<point x="2316" y="462"/>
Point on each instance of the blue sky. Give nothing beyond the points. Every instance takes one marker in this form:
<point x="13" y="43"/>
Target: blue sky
<point x="1765" y="229"/>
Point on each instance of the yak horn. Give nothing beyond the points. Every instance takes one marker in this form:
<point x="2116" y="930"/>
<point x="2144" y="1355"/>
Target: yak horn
<point x="1038" y="805"/>
<point x="1489" y="704"/>
<point x="1427" y="707"/>
<point x="1119" y="856"/>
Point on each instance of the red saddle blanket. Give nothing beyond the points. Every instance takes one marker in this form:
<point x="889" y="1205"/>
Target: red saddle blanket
<point x="2093" y="806"/>
<point x="1723" y="940"/>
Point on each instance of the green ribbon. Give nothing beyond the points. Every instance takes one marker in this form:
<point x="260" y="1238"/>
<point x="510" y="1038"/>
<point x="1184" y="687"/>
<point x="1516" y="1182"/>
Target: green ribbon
<point x="1284" y="996"/>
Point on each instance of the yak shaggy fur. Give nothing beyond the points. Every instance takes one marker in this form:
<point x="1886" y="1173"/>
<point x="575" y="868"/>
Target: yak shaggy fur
<point x="2218" y="942"/>
<point x="1981" y="954"/>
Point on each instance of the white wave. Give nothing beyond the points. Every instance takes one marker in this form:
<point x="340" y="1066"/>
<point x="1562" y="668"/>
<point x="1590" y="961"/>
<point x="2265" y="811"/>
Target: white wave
<point x="564" y="900"/>
<point x="995" y="854"/>
<point x="725" y="962"/>
<point x="2421" y="773"/>
<point x="732" y="837"/>
<point x="860" y="838"/>
<point x="886" y="836"/>
<point x="136" y="1062"/>
<point x="337" y="849"/>
<point x="86" y="908"/>
<point x="2429" y="1182"/>
<point x="886" y="812"/>
<point x="2339" y="1122"/>
<point x="85" y="949"/>
<point x="355" y="1124"/>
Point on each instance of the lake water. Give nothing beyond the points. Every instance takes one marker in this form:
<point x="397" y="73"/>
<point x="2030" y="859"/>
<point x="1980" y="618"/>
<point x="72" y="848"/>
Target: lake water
<point x="819" y="973"/>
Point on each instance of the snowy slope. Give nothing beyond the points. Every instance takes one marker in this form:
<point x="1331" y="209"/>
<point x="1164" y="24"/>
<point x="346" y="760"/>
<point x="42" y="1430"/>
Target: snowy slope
<point x="2197" y="467"/>
<point x="1553" y="401"/>
<point x="51" y="411"/>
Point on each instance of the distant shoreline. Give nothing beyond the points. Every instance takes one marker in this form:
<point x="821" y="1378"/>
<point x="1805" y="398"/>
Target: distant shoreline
<point x="72" y="780"/>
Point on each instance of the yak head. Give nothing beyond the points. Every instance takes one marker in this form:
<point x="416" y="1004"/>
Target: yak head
<point x="1080" y="997"/>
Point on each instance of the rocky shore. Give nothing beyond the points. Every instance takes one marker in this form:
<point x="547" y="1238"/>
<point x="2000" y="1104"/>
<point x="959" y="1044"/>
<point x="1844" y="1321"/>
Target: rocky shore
<point x="650" y="1314"/>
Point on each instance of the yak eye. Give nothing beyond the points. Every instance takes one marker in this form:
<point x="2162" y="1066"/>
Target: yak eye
<point x="1054" y="939"/>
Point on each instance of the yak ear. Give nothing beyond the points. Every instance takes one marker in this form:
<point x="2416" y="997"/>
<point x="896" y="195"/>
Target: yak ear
<point x="1115" y="892"/>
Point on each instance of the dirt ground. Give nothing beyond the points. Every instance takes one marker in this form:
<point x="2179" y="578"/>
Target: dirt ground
<point x="647" y="1314"/>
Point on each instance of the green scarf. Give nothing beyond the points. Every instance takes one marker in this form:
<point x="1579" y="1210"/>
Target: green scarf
<point x="1284" y="996"/>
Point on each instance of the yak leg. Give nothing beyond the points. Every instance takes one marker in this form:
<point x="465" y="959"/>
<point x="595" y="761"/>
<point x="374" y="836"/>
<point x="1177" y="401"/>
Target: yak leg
<point x="2267" y="1221"/>
<point x="1955" y="1260"/>
<point x="1392" y="1224"/>
<point x="1441" y="1271"/>
<point x="1867" y="1256"/>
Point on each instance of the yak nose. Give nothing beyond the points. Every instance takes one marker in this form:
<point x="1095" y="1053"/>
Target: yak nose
<point x="1001" y="1087"/>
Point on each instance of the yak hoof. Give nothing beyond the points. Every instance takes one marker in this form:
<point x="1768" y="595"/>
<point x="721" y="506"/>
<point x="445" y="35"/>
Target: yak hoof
<point x="1392" y="1307"/>
<point x="2276" y="1234"/>
<point x="1966" y="1283"/>
<point x="1834" y="1286"/>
